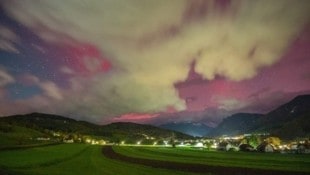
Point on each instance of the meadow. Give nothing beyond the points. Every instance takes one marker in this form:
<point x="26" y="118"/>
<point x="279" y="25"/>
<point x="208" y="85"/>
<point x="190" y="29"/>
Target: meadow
<point x="272" y="161"/>
<point x="69" y="159"/>
<point x="72" y="159"/>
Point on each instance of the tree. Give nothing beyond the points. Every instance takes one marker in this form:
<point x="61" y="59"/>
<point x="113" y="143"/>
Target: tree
<point x="273" y="140"/>
<point x="244" y="141"/>
<point x="209" y="144"/>
<point x="172" y="140"/>
<point x="254" y="140"/>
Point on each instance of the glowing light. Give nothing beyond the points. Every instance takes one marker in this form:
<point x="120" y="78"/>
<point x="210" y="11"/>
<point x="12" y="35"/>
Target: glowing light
<point x="165" y="142"/>
<point x="199" y="144"/>
<point x="88" y="140"/>
<point x="139" y="142"/>
<point x="181" y="144"/>
<point x="215" y="145"/>
<point x="102" y="142"/>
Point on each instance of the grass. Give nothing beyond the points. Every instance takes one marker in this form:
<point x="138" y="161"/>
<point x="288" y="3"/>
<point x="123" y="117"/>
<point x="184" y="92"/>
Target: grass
<point x="70" y="159"/>
<point x="19" y="136"/>
<point x="287" y="162"/>
<point x="39" y="156"/>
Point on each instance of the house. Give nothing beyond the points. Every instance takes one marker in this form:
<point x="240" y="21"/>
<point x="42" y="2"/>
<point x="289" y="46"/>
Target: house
<point x="266" y="147"/>
<point x="293" y="146"/>
<point x="43" y="138"/>
<point x="226" y="146"/>
<point x="303" y="148"/>
<point x="68" y="141"/>
<point x="222" y="146"/>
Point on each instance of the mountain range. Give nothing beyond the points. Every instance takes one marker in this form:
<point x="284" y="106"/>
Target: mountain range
<point x="288" y="121"/>
<point x="13" y="128"/>
<point x="190" y="128"/>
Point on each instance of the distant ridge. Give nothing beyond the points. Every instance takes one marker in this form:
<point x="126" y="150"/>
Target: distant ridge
<point x="115" y="131"/>
<point x="288" y="121"/>
<point x="236" y="124"/>
<point x="193" y="129"/>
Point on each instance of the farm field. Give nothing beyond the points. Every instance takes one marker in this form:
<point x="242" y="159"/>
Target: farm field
<point x="72" y="159"/>
<point x="272" y="161"/>
<point x="16" y="136"/>
<point x="69" y="159"/>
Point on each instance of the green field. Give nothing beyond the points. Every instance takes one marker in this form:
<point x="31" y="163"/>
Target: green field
<point x="72" y="159"/>
<point x="69" y="159"/>
<point x="274" y="161"/>
<point x="18" y="136"/>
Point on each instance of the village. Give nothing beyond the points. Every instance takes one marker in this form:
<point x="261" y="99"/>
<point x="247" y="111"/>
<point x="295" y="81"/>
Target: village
<point x="246" y="142"/>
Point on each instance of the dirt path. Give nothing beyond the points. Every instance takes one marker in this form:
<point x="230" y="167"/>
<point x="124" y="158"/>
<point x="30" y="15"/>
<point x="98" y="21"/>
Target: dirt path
<point x="189" y="167"/>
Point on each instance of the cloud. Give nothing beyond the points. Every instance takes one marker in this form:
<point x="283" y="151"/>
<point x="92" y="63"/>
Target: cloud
<point x="230" y="104"/>
<point x="51" y="90"/>
<point x="5" y="78"/>
<point x="35" y="103"/>
<point x="22" y="106"/>
<point x="151" y="44"/>
<point x="28" y="79"/>
<point x="256" y="34"/>
<point x="8" y="39"/>
<point x="66" y="70"/>
<point x="47" y="102"/>
<point x="132" y="117"/>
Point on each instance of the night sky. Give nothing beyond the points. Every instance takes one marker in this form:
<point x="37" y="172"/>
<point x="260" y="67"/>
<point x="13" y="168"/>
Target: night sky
<point x="152" y="61"/>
